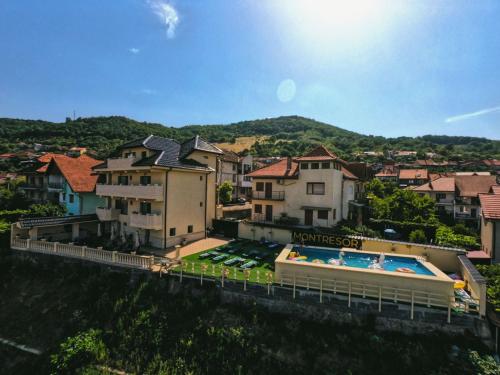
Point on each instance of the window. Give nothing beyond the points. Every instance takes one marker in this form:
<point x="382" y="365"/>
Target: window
<point x="304" y="165"/>
<point x="325" y="165"/>
<point x="323" y="214"/>
<point x="314" y="165"/>
<point x="190" y="229"/>
<point x="462" y="208"/>
<point x="316" y="188"/>
<point x="334" y="214"/>
<point x="144" y="154"/>
<point x="259" y="186"/>
<point x="71" y="198"/>
<point x="201" y="204"/>
<point x="64" y="197"/>
<point x="201" y="178"/>
<point x="145" y="180"/>
<point x="172" y="232"/>
<point x="145" y="208"/>
<point x="234" y="178"/>
<point x="122" y="180"/>
<point x="257" y="208"/>
<point x="234" y="167"/>
<point x="440" y="195"/>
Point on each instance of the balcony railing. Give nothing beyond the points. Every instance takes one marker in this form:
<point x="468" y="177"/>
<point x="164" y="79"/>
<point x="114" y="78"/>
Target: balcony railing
<point x="150" y="192"/>
<point x="55" y="185"/>
<point x="145" y="221"/>
<point x="107" y="214"/>
<point x="273" y="195"/>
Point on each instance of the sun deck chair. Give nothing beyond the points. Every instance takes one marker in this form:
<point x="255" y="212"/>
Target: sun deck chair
<point x="234" y="261"/>
<point x="209" y="254"/>
<point x="233" y="250"/>
<point x="220" y="257"/>
<point x="249" y="265"/>
<point x="273" y="245"/>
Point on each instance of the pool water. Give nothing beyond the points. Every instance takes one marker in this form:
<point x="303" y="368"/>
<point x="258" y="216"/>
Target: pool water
<point x="362" y="260"/>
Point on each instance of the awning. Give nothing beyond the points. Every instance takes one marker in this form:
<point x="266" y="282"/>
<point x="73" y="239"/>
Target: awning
<point x="28" y="223"/>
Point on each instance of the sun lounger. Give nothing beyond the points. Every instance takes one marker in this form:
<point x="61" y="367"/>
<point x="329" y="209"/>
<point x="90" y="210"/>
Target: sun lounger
<point x="249" y="265"/>
<point x="209" y="254"/>
<point x="220" y="257"/>
<point x="273" y="245"/>
<point x="234" y="261"/>
<point x="233" y="250"/>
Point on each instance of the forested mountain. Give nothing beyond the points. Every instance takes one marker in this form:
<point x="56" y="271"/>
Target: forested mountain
<point x="290" y="135"/>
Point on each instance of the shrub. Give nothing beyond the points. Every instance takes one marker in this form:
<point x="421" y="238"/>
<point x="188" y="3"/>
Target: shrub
<point x="445" y="236"/>
<point x="417" y="236"/>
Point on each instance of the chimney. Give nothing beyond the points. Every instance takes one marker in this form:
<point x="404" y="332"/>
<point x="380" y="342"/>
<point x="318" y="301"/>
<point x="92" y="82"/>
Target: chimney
<point x="288" y="163"/>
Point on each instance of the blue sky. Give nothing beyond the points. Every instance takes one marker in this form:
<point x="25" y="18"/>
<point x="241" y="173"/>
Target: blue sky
<point x="376" y="67"/>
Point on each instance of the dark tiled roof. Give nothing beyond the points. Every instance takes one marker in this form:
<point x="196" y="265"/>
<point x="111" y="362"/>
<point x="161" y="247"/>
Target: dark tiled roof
<point x="197" y="143"/>
<point x="27" y="223"/>
<point x="169" y="153"/>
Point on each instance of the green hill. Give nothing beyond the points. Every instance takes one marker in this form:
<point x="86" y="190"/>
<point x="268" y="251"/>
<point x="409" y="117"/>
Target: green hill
<point x="290" y="135"/>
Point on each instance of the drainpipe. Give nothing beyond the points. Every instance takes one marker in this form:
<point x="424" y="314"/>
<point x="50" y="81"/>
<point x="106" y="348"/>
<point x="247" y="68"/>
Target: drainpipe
<point x="165" y="210"/>
<point x="206" y="195"/>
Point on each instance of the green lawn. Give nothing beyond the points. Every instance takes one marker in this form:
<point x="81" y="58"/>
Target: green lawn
<point x="192" y="264"/>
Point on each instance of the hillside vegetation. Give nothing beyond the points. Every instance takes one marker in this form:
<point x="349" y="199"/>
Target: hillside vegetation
<point x="87" y="319"/>
<point x="290" y="135"/>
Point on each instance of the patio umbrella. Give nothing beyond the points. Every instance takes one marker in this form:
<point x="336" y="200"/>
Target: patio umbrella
<point x="112" y="234"/>
<point x="99" y="233"/>
<point x="137" y="240"/>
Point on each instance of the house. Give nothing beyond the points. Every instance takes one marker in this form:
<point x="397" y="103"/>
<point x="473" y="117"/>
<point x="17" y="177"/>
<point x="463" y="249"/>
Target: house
<point x="442" y="190"/>
<point x="72" y="179"/>
<point x="388" y="173"/>
<point x="35" y="187"/>
<point x="490" y="223"/>
<point x="412" y="177"/>
<point x="467" y="190"/>
<point x="312" y="190"/>
<point x="162" y="191"/>
<point x="233" y="168"/>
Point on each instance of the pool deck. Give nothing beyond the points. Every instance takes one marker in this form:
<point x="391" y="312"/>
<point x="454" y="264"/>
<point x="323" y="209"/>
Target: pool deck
<point x="193" y="247"/>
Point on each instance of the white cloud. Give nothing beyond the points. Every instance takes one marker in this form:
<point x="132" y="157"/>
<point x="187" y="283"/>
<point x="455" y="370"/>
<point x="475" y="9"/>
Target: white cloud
<point x="467" y="116"/>
<point x="134" y="50"/>
<point x="167" y="14"/>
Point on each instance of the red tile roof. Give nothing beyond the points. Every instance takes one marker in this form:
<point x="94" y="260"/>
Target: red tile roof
<point x="77" y="171"/>
<point x="440" y="184"/>
<point x="413" y="174"/>
<point x="471" y="186"/>
<point x="45" y="158"/>
<point x="492" y="162"/>
<point x="277" y="170"/>
<point x="490" y="206"/>
<point x="319" y="153"/>
<point x="495" y="189"/>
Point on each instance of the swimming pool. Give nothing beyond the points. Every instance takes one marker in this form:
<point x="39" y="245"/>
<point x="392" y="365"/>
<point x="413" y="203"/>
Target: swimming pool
<point x="361" y="260"/>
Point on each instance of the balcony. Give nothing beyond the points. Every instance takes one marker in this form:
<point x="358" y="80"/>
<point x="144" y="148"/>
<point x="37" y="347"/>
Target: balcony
<point x="269" y="195"/>
<point x="107" y="214"/>
<point x="54" y="186"/>
<point x="149" y="192"/>
<point x="145" y="221"/>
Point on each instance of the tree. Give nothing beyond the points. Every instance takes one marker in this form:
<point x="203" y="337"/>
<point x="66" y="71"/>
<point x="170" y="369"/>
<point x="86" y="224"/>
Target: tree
<point x="417" y="236"/>
<point x="225" y="191"/>
<point x="47" y="209"/>
<point x="81" y="351"/>
<point x="447" y="237"/>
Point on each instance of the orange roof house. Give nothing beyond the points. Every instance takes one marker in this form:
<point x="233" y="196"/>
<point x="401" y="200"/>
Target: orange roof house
<point x="76" y="171"/>
<point x="413" y="174"/>
<point x="442" y="184"/>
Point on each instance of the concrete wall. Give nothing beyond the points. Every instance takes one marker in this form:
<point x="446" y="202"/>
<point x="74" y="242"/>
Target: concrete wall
<point x="256" y="232"/>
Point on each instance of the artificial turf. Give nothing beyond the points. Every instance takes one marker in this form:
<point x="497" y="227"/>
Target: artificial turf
<point x="192" y="264"/>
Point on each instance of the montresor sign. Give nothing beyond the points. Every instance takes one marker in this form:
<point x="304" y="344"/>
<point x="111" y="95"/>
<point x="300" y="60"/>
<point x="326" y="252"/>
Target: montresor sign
<point x="324" y="239"/>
